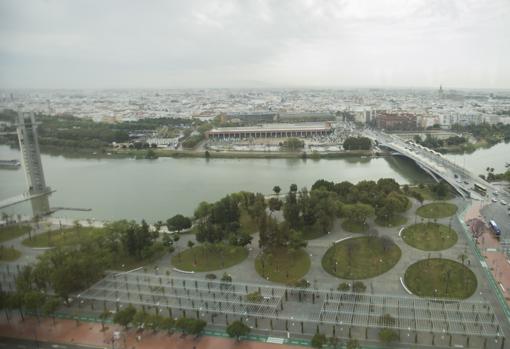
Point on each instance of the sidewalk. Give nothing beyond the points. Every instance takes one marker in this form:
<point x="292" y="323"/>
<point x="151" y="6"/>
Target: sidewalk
<point x="67" y="332"/>
<point x="488" y="245"/>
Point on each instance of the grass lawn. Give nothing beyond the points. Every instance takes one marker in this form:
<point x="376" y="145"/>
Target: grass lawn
<point x="283" y="265"/>
<point x="360" y="258"/>
<point x="9" y="254"/>
<point x="395" y="221"/>
<point x="429" y="236"/>
<point x="209" y="258"/>
<point x="437" y="210"/>
<point x="64" y="237"/>
<point x="354" y="227"/>
<point x="442" y="278"/>
<point x="13" y="231"/>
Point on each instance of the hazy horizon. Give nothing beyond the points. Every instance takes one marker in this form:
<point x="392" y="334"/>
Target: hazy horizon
<point x="346" y="44"/>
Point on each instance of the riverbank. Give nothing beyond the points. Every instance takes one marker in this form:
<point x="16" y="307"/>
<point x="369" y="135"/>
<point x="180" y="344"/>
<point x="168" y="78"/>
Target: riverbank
<point x="466" y="148"/>
<point x="139" y="154"/>
<point x="108" y="153"/>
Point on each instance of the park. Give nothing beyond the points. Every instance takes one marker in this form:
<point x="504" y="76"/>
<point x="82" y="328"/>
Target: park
<point x="247" y="260"/>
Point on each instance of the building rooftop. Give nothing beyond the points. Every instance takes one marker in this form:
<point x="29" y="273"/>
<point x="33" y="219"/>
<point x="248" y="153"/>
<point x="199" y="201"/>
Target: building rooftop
<point x="276" y="127"/>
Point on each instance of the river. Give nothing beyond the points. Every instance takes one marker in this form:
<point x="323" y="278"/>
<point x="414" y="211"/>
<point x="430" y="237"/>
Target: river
<point x="158" y="189"/>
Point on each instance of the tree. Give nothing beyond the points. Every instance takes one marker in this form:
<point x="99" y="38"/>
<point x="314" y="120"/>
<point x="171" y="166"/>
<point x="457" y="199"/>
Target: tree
<point x="358" y="213"/>
<point x="275" y="204"/>
<point x="3" y="303"/>
<point x="334" y="342"/>
<point x="103" y="317"/>
<point x="15" y="301"/>
<point x="293" y="188"/>
<point x="293" y="143"/>
<point x="387" y="335"/>
<point x="226" y="278"/>
<point x="190" y="326"/>
<point x="125" y="316"/>
<point x="167" y="324"/>
<point x="357" y="143"/>
<point x="277" y="189"/>
<point x="358" y="287"/>
<point x="242" y="239"/>
<point x="151" y="154"/>
<point x="441" y="189"/>
<point x="139" y="319"/>
<point x="33" y="300"/>
<point x="191" y="244"/>
<point x="318" y="340"/>
<point x="178" y="223"/>
<point x="387" y="320"/>
<point x="238" y="329"/>
<point x="154" y="322"/>
<point x="291" y="209"/>
<point x="322" y="184"/>
<point x="197" y="327"/>
<point x="462" y="257"/>
<point x="352" y="344"/>
<point x="203" y="210"/>
<point x="50" y="306"/>
<point x="344" y="287"/>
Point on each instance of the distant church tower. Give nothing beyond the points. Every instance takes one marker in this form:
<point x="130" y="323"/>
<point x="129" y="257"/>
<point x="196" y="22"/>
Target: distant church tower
<point x="441" y="92"/>
<point x="31" y="159"/>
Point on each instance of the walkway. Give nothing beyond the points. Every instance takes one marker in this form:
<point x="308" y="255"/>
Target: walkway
<point x="67" y="332"/>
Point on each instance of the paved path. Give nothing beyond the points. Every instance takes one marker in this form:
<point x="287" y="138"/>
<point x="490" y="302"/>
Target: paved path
<point x="66" y="332"/>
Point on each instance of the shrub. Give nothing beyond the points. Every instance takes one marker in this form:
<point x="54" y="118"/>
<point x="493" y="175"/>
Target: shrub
<point x="358" y="287"/>
<point x="344" y="286"/>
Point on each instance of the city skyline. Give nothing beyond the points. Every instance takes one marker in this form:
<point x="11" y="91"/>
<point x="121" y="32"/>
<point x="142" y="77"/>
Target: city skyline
<point x="263" y="44"/>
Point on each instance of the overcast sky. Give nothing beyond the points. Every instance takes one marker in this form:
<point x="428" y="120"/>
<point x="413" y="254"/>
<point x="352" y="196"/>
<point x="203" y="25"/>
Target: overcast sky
<point x="209" y="43"/>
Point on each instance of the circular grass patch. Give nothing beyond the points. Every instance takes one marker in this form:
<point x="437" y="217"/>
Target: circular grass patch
<point x="437" y="210"/>
<point x="440" y="278"/>
<point x="361" y="258"/>
<point x="282" y="265"/>
<point x="210" y="257"/>
<point x="9" y="254"/>
<point x="429" y="236"/>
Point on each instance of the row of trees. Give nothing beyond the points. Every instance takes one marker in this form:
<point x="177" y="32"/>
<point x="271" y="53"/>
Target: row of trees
<point x="320" y="340"/>
<point x="490" y="133"/>
<point x="156" y="322"/>
<point x="434" y="142"/>
<point x="141" y="319"/>
<point x="293" y="144"/>
<point x="32" y="300"/>
<point x="491" y="176"/>
<point x="357" y="143"/>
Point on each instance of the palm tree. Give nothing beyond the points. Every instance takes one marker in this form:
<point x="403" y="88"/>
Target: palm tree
<point x="462" y="257"/>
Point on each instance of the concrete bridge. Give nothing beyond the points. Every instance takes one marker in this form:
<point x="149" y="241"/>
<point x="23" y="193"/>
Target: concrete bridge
<point x="432" y="162"/>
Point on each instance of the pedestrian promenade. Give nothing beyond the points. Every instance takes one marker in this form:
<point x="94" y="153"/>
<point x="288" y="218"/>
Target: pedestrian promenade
<point x="91" y="334"/>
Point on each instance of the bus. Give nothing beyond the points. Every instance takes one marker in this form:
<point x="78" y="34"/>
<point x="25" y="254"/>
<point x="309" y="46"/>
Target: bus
<point x="481" y="189"/>
<point x="495" y="229"/>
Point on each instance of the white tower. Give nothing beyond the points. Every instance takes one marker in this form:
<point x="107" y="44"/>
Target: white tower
<point x="31" y="159"/>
